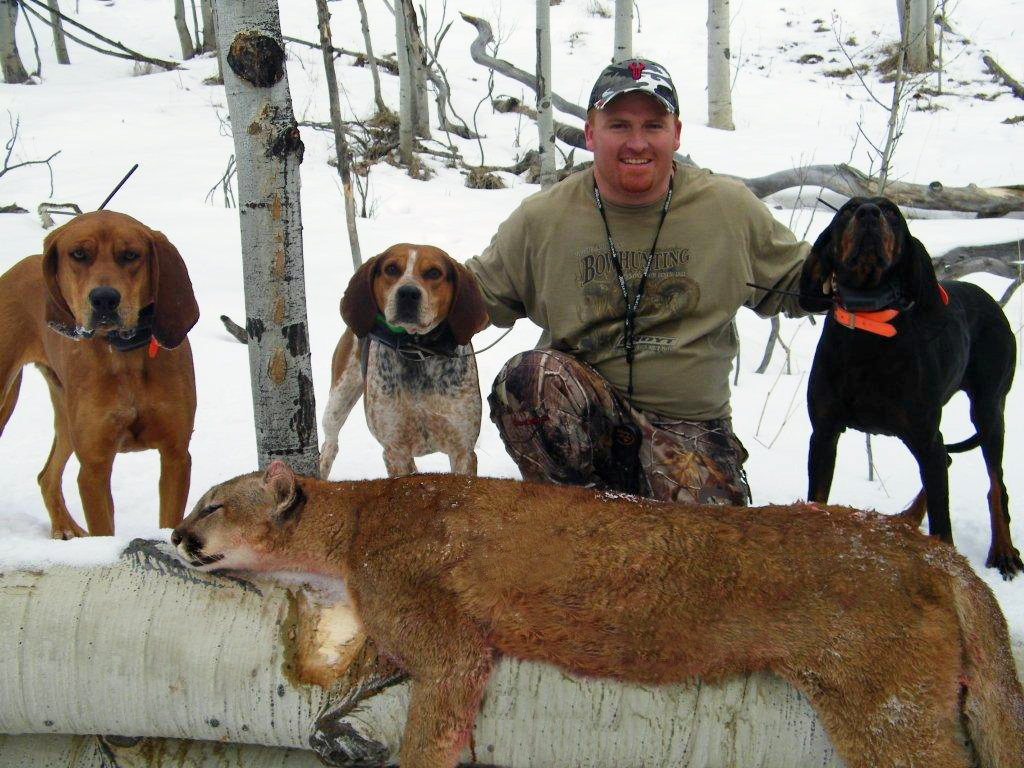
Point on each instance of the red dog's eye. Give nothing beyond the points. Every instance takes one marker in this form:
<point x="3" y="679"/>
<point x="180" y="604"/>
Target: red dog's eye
<point x="79" y="254"/>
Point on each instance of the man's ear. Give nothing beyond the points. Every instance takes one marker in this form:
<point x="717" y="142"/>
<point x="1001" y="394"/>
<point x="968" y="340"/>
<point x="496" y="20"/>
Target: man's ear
<point x="358" y="306"/>
<point x="284" y="489"/>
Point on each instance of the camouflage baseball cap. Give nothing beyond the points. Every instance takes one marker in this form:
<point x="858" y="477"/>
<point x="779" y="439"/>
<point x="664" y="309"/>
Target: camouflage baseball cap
<point x="634" y="75"/>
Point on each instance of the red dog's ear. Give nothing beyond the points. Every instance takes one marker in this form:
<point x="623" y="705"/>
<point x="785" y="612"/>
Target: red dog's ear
<point x="358" y="306"/>
<point x="57" y="310"/>
<point x="175" y="310"/>
<point x="468" y="314"/>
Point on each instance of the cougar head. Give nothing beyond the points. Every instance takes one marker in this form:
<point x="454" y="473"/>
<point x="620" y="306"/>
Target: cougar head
<point x="237" y="525"/>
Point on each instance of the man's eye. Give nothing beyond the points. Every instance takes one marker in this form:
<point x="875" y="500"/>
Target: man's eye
<point x="432" y="274"/>
<point x="391" y="270"/>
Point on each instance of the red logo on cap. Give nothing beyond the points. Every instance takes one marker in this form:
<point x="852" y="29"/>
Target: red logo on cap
<point x="636" y="68"/>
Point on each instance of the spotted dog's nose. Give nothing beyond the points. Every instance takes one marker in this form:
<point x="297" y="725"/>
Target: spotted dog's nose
<point x="407" y="303"/>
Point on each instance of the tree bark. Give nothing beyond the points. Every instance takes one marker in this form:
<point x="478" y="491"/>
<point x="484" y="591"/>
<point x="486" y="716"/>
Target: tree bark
<point x="340" y="144"/>
<point x="10" y="60"/>
<point x="406" y="83"/>
<point x="545" y="120"/>
<point x="418" y="67"/>
<point x="59" y="42"/>
<point x="914" y="22"/>
<point x="269" y="150"/>
<point x="209" y="27"/>
<point x="184" y="36"/>
<point x="371" y="60"/>
<point x="623" y="47"/>
<point x="719" y="70"/>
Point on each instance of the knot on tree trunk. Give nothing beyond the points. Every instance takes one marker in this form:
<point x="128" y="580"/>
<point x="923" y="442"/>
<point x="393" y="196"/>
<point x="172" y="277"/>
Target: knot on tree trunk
<point x="285" y="142"/>
<point x="257" y="58"/>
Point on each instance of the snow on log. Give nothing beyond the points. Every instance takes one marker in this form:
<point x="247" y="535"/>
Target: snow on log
<point x="147" y="648"/>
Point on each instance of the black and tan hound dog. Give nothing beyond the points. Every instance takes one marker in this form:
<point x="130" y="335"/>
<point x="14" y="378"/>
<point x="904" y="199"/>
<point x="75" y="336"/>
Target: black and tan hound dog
<point x="896" y="346"/>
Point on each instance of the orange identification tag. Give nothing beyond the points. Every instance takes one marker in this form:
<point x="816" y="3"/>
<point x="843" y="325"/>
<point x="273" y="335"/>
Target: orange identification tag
<point x="153" y="347"/>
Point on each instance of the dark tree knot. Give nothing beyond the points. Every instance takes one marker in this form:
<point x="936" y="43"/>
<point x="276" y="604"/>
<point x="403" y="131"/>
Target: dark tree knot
<point x="257" y="58"/>
<point x="285" y="142"/>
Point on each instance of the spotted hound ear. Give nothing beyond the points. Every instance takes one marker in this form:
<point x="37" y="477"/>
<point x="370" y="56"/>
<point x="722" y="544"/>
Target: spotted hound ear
<point x="175" y="310"/>
<point x="358" y="306"/>
<point x="917" y="273"/>
<point x="57" y="310"/>
<point x="468" y="315"/>
<point x="817" y="269"/>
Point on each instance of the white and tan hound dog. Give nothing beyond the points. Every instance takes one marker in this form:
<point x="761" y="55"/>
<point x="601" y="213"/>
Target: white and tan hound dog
<point x="411" y="312"/>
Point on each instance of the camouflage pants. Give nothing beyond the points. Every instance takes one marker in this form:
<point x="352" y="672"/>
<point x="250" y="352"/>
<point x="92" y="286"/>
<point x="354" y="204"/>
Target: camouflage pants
<point x="561" y="423"/>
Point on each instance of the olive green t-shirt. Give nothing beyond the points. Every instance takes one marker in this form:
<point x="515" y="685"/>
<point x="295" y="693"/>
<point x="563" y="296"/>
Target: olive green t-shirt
<point x="550" y="261"/>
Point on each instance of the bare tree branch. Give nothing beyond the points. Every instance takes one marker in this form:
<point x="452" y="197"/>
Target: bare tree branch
<point x="1004" y="76"/>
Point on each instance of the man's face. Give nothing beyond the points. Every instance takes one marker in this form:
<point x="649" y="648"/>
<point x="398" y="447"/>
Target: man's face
<point x="633" y="139"/>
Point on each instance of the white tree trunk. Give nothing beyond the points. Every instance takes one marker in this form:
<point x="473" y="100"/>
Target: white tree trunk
<point x="269" y="149"/>
<point x="545" y="117"/>
<point x="406" y="83"/>
<point x="59" y="43"/>
<point x="10" y="60"/>
<point x="418" y="67"/>
<point x="184" y="36"/>
<point x="209" y="27"/>
<point x="915" y="22"/>
<point x="371" y="60"/>
<point x="623" y="30"/>
<point x="719" y="70"/>
<point x="340" y="144"/>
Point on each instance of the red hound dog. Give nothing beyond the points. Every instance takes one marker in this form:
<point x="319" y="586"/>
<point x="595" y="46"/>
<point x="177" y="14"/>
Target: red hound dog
<point x="90" y="313"/>
<point x="413" y="310"/>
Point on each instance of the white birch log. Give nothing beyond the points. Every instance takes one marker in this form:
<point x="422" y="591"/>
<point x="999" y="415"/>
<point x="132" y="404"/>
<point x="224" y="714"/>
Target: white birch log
<point x="545" y="117"/>
<point x="623" y="45"/>
<point x="149" y="648"/>
<point x="268" y="149"/>
<point x="719" y="69"/>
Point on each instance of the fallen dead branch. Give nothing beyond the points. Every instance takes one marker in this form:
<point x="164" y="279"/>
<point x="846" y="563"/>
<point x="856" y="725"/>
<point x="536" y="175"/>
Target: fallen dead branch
<point x="1004" y="76"/>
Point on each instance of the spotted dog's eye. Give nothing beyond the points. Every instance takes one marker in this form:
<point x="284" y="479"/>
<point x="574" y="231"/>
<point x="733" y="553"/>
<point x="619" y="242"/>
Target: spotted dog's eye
<point x="129" y="255"/>
<point x="392" y="270"/>
<point x="78" y="254"/>
<point x="432" y="274"/>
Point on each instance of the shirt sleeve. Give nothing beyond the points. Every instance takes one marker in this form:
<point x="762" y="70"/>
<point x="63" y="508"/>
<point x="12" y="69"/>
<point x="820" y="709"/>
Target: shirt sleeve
<point x="500" y="271"/>
<point x="776" y="261"/>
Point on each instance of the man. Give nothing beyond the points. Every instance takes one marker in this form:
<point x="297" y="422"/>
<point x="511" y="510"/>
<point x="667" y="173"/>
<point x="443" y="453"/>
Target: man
<point x="635" y="270"/>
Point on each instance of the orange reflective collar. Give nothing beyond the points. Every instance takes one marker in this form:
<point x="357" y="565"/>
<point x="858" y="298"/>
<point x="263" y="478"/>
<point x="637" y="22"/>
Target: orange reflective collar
<point x="874" y="322"/>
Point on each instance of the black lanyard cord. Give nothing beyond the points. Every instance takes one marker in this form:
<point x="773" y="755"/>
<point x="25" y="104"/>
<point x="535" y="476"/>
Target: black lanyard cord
<point x="629" y="321"/>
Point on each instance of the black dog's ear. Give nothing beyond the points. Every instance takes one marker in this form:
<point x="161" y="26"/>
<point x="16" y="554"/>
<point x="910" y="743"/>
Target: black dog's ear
<point x="358" y="306"/>
<point x="816" y="272"/>
<point x="917" y="274"/>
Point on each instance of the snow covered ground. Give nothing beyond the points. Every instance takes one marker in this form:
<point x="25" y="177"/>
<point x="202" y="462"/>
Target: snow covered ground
<point x="103" y="119"/>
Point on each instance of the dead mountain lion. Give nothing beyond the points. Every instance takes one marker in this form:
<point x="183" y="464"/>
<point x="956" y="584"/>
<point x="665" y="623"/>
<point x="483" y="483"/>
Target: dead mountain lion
<point x="890" y="634"/>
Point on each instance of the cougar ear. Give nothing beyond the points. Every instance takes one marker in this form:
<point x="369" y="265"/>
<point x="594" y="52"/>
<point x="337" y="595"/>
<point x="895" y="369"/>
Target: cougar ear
<point x="358" y="307"/>
<point x="175" y="310"/>
<point x="468" y="315"/>
<point x="284" y="489"/>
<point x="57" y="310"/>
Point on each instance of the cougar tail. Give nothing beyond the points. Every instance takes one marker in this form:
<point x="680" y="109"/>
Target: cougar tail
<point x="993" y="701"/>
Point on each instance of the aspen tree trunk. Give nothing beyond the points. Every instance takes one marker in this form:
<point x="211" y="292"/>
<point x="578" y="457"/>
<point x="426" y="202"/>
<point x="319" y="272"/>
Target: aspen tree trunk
<point x="623" y="30"/>
<point x="209" y="27"/>
<point x="59" y="43"/>
<point x="10" y="60"/>
<point x="269" y="150"/>
<point x="406" y="83"/>
<point x="418" y="67"/>
<point x="915" y="19"/>
<point x="184" y="36"/>
<point x="340" y="145"/>
<point x="371" y="60"/>
<point x="545" y="118"/>
<point x="719" y="71"/>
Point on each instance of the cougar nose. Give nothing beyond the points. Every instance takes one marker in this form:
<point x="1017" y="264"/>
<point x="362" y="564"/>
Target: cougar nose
<point x="104" y="300"/>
